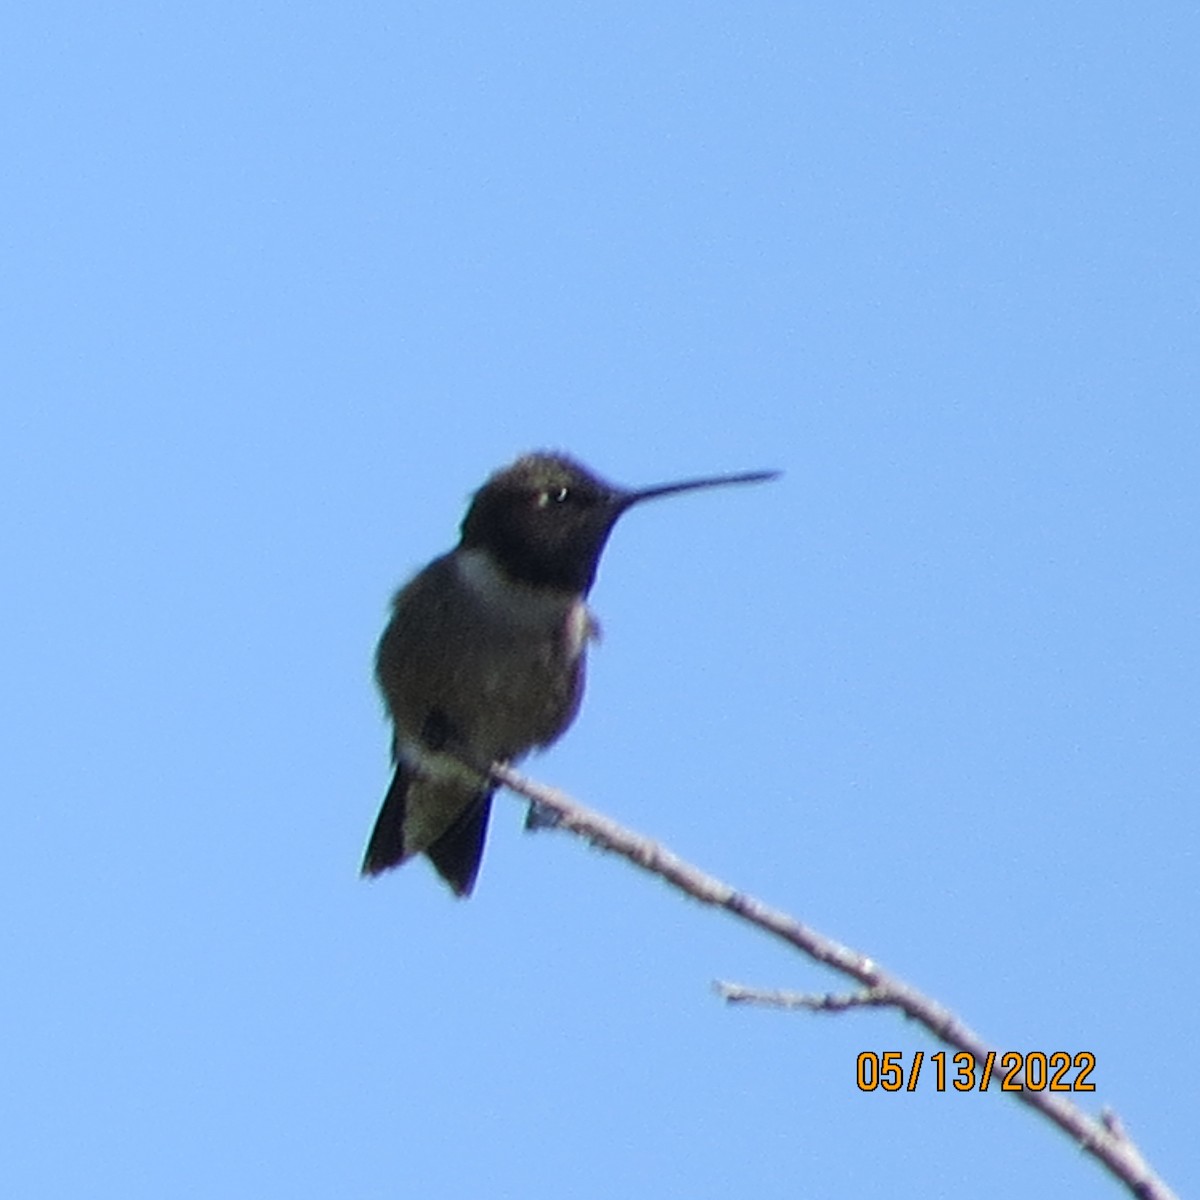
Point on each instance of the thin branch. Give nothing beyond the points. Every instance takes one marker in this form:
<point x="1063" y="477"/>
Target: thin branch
<point x="1104" y="1139"/>
<point x="739" y="993"/>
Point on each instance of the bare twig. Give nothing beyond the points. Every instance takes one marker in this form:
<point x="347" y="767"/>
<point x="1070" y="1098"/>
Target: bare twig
<point x="1104" y="1139"/>
<point x="738" y="993"/>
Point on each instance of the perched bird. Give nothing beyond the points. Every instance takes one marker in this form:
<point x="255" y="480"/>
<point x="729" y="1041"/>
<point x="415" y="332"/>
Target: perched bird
<point x="483" y="658"/>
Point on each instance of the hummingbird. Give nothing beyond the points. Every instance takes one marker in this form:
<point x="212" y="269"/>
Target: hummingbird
<point x="483" y="658"/>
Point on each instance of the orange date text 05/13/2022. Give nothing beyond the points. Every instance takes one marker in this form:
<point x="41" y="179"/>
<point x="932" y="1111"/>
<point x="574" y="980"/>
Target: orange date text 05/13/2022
<point x="1034" y="1071"/>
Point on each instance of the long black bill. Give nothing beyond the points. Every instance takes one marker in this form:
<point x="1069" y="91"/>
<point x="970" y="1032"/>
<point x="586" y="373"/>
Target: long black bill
<point x="691" y="485"/>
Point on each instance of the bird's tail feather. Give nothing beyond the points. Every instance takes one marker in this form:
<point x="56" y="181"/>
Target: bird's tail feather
<point x="458" y="852"/>
<point x="386" y="847"/>
<point x="411" y="822"/>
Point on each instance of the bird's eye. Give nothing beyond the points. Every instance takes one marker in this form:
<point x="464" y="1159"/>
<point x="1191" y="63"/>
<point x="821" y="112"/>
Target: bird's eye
<point x="552" y="496"/>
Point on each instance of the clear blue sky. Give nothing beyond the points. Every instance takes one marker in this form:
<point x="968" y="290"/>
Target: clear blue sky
<point x="281" y="283"/>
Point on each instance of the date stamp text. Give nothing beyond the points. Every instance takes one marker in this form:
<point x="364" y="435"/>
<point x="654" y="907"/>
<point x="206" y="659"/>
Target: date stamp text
<point x="1034" y="1071"/>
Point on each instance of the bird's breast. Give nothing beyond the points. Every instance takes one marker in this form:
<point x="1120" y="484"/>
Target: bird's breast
<point x="502" y="662"/>
<point x="522" y="609"/>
